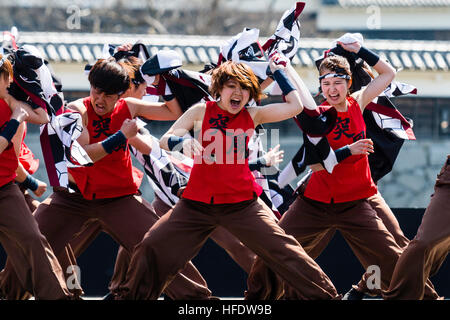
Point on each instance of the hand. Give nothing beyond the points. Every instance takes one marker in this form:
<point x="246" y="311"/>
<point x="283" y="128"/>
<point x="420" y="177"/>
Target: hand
<point x="363" y="146"/>
<point x="191" y="148"/>
<point x="129" y="128"/>
<point x="274" y="156"/>
<point x="351" y="47"/>
<point x="277" y="62"/>
<point x="19" y="114"/>
<point x="180" y="191"/>
<point x="42" y="187"/>
<point x="125" y="47"/>
<point x="316" y="167"/>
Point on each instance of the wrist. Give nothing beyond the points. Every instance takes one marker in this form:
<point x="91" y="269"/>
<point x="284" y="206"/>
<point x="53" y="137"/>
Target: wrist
<point x="342" y="153"/>
<point x="257" y="164"/>
<point x="283" y="81"/>
<point x="10" y="129"/>
<point x="368" y="56"/>
<point x="30" y="183"/>
<point x="114" y="141"/>
<point x="175" y="143"/>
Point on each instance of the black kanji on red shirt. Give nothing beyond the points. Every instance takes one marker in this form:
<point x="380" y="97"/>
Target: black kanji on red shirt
<point x="101" y="127"/>
<point x="221" y="122"/>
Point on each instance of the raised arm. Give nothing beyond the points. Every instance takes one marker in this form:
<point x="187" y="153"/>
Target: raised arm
<point x="279" y="111"/>
<point x="303" y="91"/>
<point x="152" y="110"/>
<point x="386" y="73"/>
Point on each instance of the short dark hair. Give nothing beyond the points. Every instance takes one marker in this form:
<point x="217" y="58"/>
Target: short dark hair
<point x="109" y="76"/>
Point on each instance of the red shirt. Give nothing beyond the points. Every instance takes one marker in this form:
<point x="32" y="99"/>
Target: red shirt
<point x="26" y="156"/>
<point x="221" y="174"/>
<point x="8" y="158"/>
<point x="113" y="175"/>
<point x="351" y="179"/>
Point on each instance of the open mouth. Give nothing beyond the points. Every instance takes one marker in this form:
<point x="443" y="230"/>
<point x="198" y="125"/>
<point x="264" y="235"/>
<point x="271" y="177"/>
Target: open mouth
<point x="235" y="103"/>
<point x="100" y="108"/>
<point x="334" y="96"/>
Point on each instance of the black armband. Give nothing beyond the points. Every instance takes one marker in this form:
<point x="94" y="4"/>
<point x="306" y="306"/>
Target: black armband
<point x="174" y="143"/>
<point x="342" y="153"/>
<point x="283" y="81"/>
<point x="114" y="141"/>
<point x="10" y="129"/>
<point x="30" y="183"/>
<point x="368" y="56"/>
<point x="257" y="164"/>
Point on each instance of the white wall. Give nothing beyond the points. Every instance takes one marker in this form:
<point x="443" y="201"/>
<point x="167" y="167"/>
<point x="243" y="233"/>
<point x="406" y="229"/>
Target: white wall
<point x="338" y="18"/>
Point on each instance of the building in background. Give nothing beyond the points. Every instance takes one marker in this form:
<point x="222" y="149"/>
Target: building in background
<point x="387" y="19"/>
<point x="413" y="37"/>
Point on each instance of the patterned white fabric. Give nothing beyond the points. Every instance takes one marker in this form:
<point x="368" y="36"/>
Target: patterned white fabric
<point x="163" y="173"/>
<point x="287" y="35"/>
<point x="34" y="80"/>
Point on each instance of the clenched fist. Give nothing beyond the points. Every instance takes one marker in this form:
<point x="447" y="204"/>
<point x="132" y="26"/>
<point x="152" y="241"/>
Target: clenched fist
<point x="129" y="128"/>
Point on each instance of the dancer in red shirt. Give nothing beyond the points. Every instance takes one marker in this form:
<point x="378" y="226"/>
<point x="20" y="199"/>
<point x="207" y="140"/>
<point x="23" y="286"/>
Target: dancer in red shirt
<point x="107" y="191"/>
<point x="222" y="191"/>
<point x="339" y="200"/>
<point x="35" y="264"/>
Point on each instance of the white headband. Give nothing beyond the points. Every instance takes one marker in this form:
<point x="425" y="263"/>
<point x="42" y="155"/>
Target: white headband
<point x="334" y="75"/>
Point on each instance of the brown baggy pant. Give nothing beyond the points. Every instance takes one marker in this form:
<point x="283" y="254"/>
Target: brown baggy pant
<point x="240" y="253"/>
<point x="36" y="267"/>
<point x="427" y="251"/>
<point x="126" y="219"/>
<point x="311" y="221"/>
<point x="386" y="215"/>
<point x="185" y="229"/>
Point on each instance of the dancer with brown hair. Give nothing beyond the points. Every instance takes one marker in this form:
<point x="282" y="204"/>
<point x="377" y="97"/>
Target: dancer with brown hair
<point x="339" y="200"/>
<point x="222" y="191"/>
<point x="107" y="191"/>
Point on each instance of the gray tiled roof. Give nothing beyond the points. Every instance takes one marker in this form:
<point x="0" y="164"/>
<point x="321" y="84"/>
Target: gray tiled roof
<point x="81" y="48"/>
<point x="387" y="3"/>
